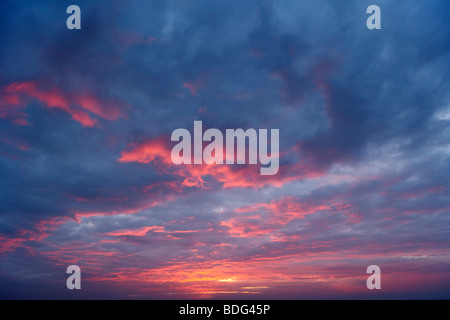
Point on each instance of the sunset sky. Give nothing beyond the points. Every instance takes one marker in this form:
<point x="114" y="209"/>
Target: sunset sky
<point x="86" y="176"/>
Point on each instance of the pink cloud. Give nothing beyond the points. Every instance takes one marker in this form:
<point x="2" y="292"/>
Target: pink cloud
<point x="193" y="87"/>
<point x="157" y="151"/>
<point x="140" y="232"/>
<point x="18" y="94"/>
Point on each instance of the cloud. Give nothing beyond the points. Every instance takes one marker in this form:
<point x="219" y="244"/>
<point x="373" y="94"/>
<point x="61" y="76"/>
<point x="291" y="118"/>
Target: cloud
<point x="87" y="178"/>
<point x="136" y="232"/>
<point x="78" y="106"/>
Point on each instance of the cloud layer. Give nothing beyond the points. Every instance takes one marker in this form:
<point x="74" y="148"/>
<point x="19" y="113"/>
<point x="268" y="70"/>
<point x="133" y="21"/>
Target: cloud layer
<point x="86" y="176"/>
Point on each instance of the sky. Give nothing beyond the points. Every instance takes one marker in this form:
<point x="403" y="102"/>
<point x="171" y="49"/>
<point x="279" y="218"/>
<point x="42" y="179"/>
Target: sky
<point x="86" y="176"/>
